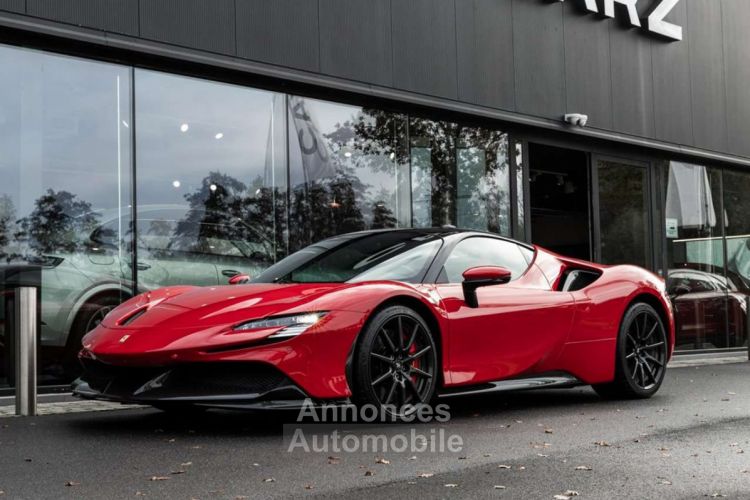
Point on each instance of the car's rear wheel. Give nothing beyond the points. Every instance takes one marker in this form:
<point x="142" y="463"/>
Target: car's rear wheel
<point x="641" y="358"/>
<point x="396" y="362"/>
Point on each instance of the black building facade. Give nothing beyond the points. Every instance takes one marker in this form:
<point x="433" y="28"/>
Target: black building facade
<point x="156" y="142"/>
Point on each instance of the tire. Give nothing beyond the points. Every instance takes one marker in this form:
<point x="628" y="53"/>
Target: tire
<point x="88" y="318"/>
<point x="641" y="356"/>
<point x="396" y="363"/>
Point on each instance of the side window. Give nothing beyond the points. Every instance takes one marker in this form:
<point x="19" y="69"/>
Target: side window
<point x="479" y="251"/>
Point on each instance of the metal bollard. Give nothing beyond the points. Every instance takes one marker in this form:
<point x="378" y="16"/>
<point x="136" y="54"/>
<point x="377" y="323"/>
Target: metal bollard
<point x="26" y="321"/>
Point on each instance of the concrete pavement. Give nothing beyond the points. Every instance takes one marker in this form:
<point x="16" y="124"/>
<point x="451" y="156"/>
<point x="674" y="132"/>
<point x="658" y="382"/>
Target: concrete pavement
<point x="692" y="440"/>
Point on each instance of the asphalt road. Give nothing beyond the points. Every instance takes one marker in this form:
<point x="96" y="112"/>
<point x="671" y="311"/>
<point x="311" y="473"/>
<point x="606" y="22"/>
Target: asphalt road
<point x="689" y="441"/>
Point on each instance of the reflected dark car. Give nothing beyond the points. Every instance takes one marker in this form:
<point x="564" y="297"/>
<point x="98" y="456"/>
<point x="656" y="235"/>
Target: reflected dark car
<point x="709" y="308"/>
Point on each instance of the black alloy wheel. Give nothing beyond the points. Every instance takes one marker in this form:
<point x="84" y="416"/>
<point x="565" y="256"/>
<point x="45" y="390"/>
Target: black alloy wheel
<point x="396" y="363"/>
<point x="641" y="359"/>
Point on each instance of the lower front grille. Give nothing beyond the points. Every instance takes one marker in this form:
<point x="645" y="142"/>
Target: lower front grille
<point x="195" y="380"/>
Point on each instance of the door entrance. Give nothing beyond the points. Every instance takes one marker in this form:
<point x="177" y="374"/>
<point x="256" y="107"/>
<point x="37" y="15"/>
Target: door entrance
<point x="622" y="215"/>
<point x="560" y="201"/>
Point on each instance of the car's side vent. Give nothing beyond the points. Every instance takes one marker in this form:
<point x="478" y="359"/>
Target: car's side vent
<point x="133" y="317"/>
<point x="577" y="279"/>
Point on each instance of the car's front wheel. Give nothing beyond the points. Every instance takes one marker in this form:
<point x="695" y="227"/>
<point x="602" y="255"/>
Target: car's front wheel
<point x="641" y="358"/>
<point x="396" y="362"/>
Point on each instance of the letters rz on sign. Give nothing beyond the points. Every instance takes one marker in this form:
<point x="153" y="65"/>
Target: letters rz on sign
<point x="654" y="21"/>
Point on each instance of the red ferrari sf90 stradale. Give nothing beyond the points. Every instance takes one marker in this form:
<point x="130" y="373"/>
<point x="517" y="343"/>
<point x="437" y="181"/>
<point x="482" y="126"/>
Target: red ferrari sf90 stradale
<point x="391" y="318"/>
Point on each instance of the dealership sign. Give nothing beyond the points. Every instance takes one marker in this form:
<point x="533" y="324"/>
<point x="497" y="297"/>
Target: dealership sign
<point x="654" y="22"/>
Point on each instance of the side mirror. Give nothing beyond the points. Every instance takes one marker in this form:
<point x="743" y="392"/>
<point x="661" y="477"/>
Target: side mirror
<point x="239" y="279"/>
<point x="477" y="277"/>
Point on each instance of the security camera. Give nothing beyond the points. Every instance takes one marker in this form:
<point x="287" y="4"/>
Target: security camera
<point x="576" y="119"/>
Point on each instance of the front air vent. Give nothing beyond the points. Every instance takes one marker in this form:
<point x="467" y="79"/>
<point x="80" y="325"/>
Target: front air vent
<point x="133" y="317"/>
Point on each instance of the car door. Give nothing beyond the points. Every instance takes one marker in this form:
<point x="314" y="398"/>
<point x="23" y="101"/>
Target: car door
<point x="515" y="326"/>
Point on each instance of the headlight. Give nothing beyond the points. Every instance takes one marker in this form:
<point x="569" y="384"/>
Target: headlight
<point x="291" y="326"/>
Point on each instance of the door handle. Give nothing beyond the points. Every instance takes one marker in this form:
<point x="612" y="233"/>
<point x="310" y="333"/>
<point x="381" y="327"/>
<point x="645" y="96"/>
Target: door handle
<point x="140" y="266"/>
<point x="230" y="273"/>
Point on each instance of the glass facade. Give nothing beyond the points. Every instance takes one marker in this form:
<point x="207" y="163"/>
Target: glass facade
<point x="204" y="181"/>
<point x="119" y="180"/>
<point x="708" y="261"/>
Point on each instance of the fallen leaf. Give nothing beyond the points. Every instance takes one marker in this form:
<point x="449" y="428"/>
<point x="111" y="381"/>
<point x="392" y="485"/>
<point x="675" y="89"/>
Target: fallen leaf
<point x="382" y="461"/>
<point x="561" y="497"/>
<point x="571" y="493"/>
<point x="269" y="480"/>
<point x="71" y="483"/>
<point x="665" y="482"/>
<point x="584" y="467"/>
<point x="499" y="487"/>
<point x="426" y="474"/>
<point x="188" y="464"/>
<point x="309" y="486"/>
<point x="462" y="458"/>
<point x="601" y="443"/>
<point x="159" y="478"/>
<point x="503" y="466"/>
<point x="176" y="472"/>
<point x="413" y="457"/>
<point x="369" y="473"/>
<point x="450" y="485"/>
<point x="548" y="431"/>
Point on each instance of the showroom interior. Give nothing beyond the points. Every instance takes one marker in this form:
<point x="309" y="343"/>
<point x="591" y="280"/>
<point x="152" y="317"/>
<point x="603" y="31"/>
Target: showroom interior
<point x="149" y="162"/>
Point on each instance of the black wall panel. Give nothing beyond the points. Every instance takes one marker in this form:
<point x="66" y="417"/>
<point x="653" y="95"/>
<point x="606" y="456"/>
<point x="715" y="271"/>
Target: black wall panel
<point x="355" y="40"/>
<point x="632" y="81"/>
<point x="283" y="32"/>
<point x="424" y="46"/>
<point x="190" y="23"/>
<point x="588" y="74"/>
<point x="672" y="101"/>
<point x="484" y="31"/>
<point x="539" y="57"/>
<point x="13" y="5"/>
<point x="118" y="16"/>
<point x="707" y="74"/>
<point x="736" y="15"/>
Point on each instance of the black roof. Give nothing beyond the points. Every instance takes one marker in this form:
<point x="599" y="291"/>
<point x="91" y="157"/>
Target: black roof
<point x="437" y="231"/>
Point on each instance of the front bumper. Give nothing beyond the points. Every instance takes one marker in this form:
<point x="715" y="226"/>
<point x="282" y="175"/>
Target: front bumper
<point x="227" y="385"/>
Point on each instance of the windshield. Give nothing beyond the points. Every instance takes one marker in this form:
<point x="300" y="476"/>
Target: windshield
<point x="397" y="255"/>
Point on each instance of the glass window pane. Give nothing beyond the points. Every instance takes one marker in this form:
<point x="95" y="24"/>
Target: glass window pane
<point x="736" y="210"/>
<point x="65" y="164"/>
<point x="211" y="175"/>
<point x="697" y="281"/>
<point x="623" y="213"/>
<point x="347" y="170"/>
<point x="460" y="176"/>
<point x="476" y="252"/>
<point x="520" y="192"/>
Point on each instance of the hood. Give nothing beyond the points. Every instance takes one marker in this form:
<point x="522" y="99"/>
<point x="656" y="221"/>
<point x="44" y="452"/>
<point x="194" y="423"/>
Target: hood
<point x="203" y="307"/>
<point x="178" y="318"/>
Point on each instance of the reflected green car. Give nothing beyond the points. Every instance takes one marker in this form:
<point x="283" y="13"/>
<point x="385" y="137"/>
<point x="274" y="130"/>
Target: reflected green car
<point x="175" y="245"/>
